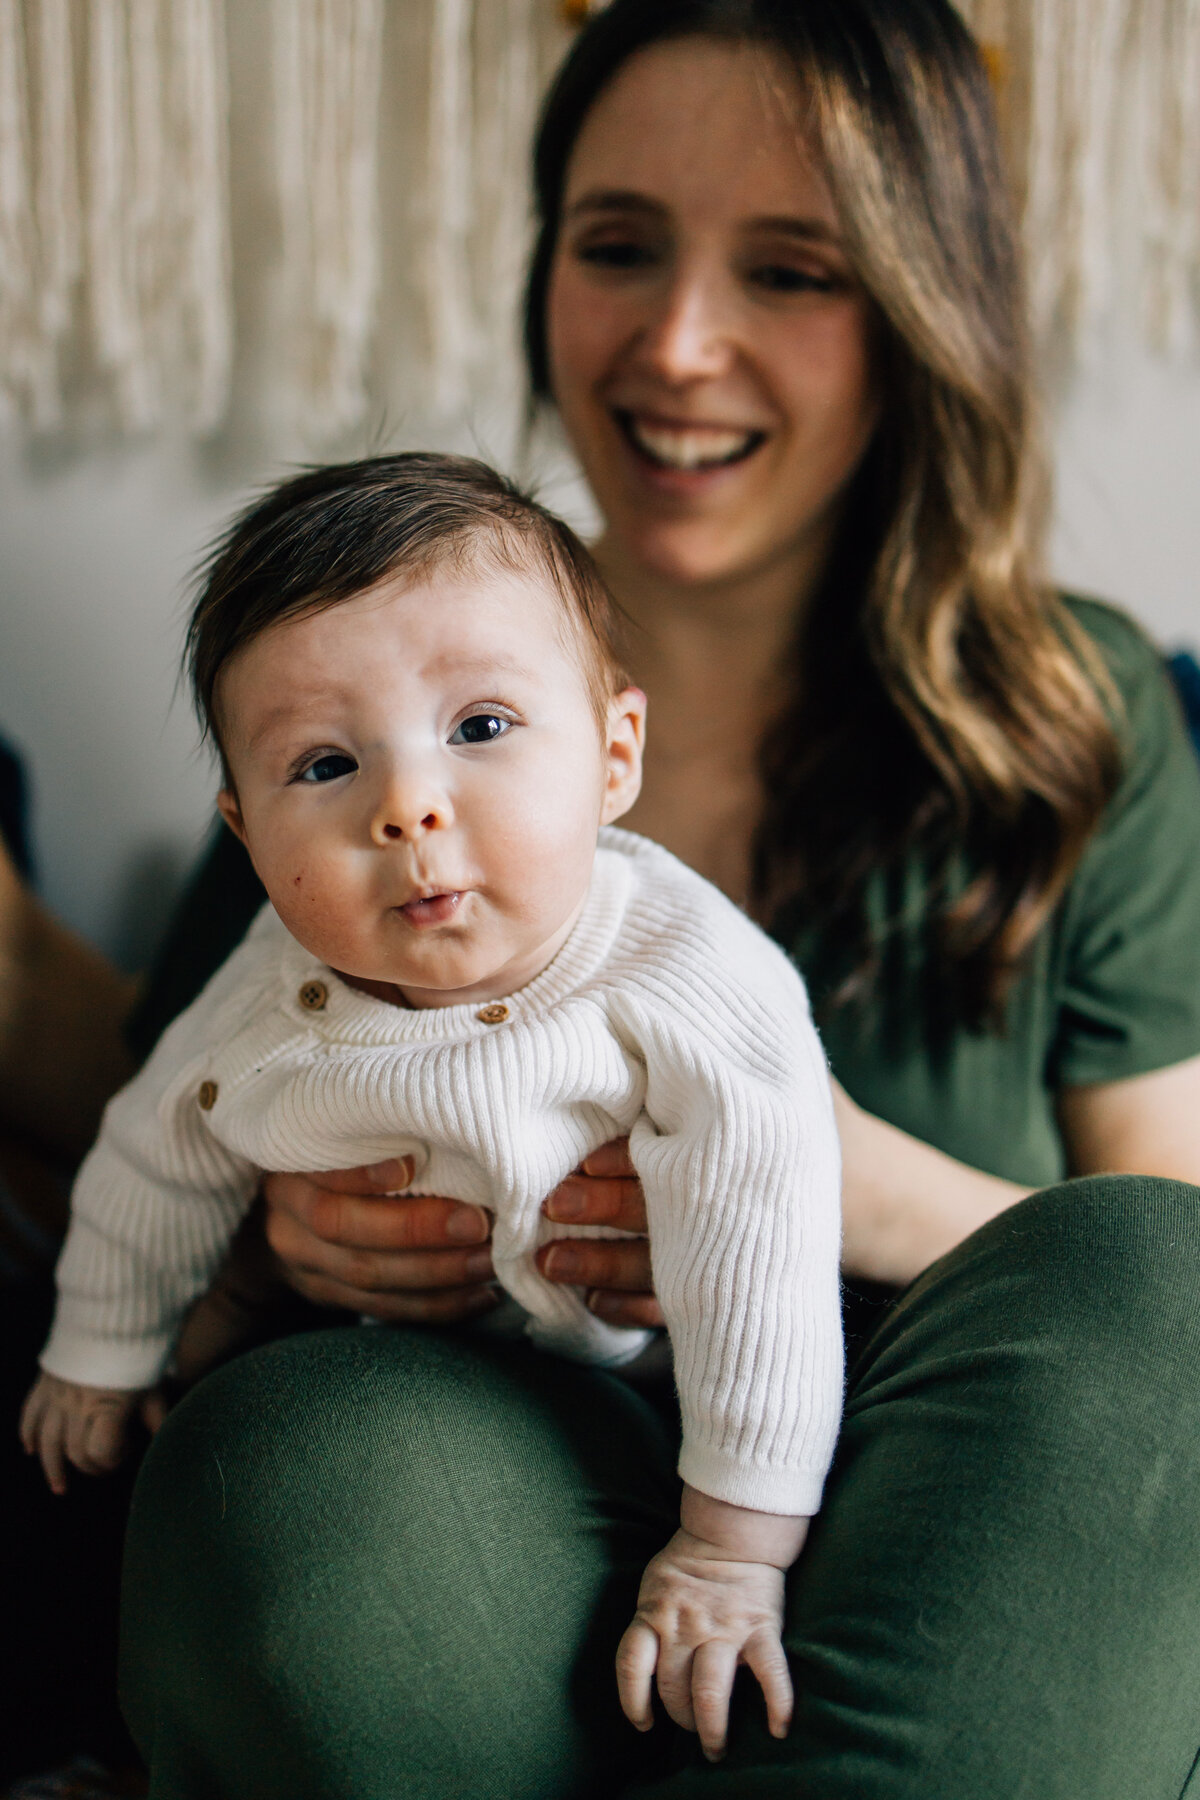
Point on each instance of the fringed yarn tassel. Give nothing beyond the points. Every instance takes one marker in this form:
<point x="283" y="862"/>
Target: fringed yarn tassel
<point x="18" y="337"/>
<point x="200" y="131"/>
<point x="1169" y="208"/>
<point x="110" y="216"/>
<point x="1073" y="159"/>
<point x="56" y="198"/>
<point x="446" y="265"/>
<point x="507" y="94"/>
<point x="327" y="89"/>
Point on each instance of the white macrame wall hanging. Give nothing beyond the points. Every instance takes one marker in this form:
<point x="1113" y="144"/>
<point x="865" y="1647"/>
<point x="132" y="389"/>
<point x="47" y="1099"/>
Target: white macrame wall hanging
<point x="398" y="210"/>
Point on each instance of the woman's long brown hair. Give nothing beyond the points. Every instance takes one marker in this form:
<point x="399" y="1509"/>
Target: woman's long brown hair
<point x="942" y="702"/>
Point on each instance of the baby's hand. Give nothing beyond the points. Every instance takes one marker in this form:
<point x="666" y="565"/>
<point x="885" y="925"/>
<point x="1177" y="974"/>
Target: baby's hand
<point x="705" y="1607"/>
<point x="63" y="1421"/>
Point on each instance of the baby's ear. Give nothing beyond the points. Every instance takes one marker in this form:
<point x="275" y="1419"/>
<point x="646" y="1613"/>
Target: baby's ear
<point x="231" y="812"/>
<point x="625" y="737"/>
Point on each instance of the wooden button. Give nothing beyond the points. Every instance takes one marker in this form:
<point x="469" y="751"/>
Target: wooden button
<point x="207" y="1095"/>
<point x="313" y="995"/>
<point x="495" y="1014"/>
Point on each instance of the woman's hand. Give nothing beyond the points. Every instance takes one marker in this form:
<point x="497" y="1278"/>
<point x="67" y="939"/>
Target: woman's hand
<point x="615" y="1271"/>
<point x="348" y="1238"/>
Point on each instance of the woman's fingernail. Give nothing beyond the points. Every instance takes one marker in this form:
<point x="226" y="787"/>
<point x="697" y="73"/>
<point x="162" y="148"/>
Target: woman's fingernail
<point x="467" y="1225"/>
<point x="394" y="1174"/>
<point x="567" y="1205"/>
<point x="561" y="1263"/>
<point x="479" y="1265"/>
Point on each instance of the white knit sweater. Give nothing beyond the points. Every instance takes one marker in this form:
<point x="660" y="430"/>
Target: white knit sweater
<point x="667" y="1015"/>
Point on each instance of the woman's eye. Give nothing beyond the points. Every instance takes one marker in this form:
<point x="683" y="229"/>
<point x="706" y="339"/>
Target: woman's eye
<point x="785" y="278"/>
<point x="328" y="768"/>
<point x="480" y="728"/>
<point x="619" y="253"/>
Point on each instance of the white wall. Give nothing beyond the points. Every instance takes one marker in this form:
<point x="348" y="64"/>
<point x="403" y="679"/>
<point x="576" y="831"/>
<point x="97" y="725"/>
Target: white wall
<point x="95" y="549"/>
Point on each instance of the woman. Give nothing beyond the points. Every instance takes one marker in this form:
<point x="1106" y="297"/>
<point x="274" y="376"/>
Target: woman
<point x="775" y="301"/>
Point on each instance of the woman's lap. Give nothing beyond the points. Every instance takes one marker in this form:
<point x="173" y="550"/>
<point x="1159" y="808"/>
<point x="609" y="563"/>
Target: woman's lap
<point x="364" y="1564"/>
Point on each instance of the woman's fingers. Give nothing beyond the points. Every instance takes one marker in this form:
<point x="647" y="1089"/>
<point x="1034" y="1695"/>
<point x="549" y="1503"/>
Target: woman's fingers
<point x="596" y="1200"/>
<point x="612" y="1158"/>
<point x="410" y="1306"/>
<point x="616" y="1273"/>
<point x="372" y="1180"/>
<point x="604" y="1191"/>
<point x="619" y="1263"/>
<point x="713" y="1668"/>
<point x="386" y="1258"/>
<point x="766" y="1658"/>
<point x="302" y="1210"/>
<point x="639" y="1310"/>
<point x="637" y="1653"/>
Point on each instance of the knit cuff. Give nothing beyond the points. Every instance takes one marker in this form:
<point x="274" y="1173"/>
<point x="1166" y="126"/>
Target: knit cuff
<point x="103" y="1363"/>
<point x="794" y="1493"/>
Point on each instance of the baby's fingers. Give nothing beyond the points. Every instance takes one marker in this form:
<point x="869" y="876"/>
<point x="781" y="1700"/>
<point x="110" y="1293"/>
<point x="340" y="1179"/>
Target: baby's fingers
<point x="43" y="1435"/>
<point x="96" y="1436"/>
<point x="675" y="1682"/>
<point x="764" y="1655"/>
<point x="637" y="1655"/>
<point x="713" y="1669"/>
<point x="50" y="1442"/>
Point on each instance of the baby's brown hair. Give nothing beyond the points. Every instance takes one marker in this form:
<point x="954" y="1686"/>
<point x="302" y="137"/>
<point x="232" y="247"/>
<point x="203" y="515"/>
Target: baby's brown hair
<point x="332" y="533"/>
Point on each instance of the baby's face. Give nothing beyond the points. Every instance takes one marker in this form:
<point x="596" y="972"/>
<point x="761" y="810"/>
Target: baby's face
<point x="419" y="777"/>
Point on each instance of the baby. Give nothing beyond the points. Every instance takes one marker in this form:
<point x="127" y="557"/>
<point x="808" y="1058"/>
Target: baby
<point x="409" y="670"/>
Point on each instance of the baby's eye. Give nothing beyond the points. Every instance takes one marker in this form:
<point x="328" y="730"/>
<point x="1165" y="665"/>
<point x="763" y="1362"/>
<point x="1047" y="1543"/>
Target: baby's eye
<point x="480" y="728"/>
<point x="328" y="768"/>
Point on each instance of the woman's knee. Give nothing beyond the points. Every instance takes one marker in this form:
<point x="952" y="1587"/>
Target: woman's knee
<point x="347" y="1538"/>
<point x="1105" y="1268"/>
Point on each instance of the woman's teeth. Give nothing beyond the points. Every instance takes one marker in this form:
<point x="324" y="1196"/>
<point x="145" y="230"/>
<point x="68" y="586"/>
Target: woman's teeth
<point x="684" y="447"/>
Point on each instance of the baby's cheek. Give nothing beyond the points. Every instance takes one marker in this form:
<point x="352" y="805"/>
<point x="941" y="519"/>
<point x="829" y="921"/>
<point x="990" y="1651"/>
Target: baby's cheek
<point x="318" y="914"/>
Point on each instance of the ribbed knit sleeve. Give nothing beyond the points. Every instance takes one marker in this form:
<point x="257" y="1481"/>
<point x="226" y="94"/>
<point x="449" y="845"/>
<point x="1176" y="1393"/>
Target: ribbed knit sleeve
<point x="738" y="1156"/>
<point x="156" y="1201"/>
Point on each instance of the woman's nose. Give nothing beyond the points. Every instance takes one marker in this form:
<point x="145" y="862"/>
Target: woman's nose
<point x="691" y="335"/>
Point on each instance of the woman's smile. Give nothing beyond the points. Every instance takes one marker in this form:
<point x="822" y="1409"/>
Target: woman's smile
<point x="688" y="447"/>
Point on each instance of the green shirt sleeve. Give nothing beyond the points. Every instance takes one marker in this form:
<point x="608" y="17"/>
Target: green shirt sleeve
<point x="1130" y="995"/>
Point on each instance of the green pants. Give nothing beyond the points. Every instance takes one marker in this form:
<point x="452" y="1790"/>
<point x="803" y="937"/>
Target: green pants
<point x="368" y="1563"/>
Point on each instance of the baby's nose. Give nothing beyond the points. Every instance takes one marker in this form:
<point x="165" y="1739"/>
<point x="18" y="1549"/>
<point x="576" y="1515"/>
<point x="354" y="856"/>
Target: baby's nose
<point x="408" y="810"/>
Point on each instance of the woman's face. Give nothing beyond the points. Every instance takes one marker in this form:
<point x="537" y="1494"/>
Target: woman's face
<point x="709" y="346"/>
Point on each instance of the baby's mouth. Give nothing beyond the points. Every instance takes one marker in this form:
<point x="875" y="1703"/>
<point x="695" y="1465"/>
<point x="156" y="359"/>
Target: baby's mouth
<point x="688" y="448"/>
<point x="431" y="909"/>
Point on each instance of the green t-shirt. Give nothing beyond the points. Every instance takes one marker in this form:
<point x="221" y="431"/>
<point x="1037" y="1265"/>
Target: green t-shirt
<point x="1112" y="985"/>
